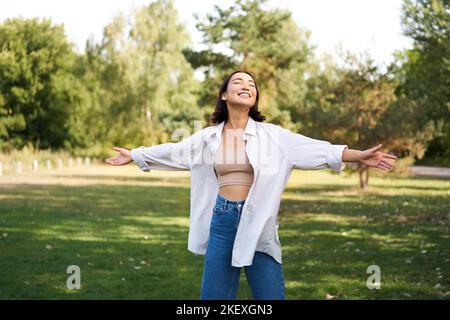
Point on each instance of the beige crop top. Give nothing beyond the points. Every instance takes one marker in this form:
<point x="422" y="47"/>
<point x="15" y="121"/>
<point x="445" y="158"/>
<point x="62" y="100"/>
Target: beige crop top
<point x="233" y="168"/>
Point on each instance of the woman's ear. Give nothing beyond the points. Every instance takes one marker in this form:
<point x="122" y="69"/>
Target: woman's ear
<point x="224" y="96"/>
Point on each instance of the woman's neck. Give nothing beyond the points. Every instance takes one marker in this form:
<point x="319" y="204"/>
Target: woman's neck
<point x="237" y="120"/>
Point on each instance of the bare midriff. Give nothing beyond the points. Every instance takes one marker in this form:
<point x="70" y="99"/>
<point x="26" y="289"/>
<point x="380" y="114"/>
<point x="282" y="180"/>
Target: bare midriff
<point x="234" y="193"/>
<point x="230" y="159"/>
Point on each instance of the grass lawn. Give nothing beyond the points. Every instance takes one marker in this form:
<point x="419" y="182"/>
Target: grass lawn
<point x="127" y="231"/>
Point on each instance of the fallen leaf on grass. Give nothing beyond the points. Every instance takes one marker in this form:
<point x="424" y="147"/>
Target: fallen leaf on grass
<point x="329" y="297"/>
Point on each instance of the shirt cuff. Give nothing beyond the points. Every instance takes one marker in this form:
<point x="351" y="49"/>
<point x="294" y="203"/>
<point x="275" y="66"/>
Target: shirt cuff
<point x="136" y="156"/>
<point x="334" y="157"/>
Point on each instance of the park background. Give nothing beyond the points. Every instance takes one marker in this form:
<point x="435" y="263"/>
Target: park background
<point x="63" y="106"/>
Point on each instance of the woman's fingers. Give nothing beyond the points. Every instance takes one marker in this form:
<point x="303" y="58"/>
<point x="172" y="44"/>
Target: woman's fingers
<point x="383" y="166"/>
<point x="376" y="148"/>
<point x="119" y="159"/>
<point x="389" y="156"/>
<point x="113" y="161"/>
<point x="390" y="162"/>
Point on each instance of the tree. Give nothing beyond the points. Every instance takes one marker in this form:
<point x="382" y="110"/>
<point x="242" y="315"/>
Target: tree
<point x="141" y="86"/>
<point x="356" y="104"/>
<point x="266" y="42"/>
<point x="38" y="90"/>
<point x="425" y="69"/>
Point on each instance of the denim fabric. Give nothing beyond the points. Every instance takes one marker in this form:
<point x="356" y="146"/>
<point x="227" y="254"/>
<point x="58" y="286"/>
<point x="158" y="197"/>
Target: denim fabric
<point x="220" y="279"/>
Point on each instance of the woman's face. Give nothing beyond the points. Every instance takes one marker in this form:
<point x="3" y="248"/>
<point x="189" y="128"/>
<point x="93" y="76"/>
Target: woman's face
<point x="241" y="90"/>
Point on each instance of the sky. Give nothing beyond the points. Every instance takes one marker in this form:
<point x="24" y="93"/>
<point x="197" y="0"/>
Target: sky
<point x="356" y="25"/>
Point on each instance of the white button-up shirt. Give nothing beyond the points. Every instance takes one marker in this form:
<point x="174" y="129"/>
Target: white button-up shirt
<point x="272" y="151"/>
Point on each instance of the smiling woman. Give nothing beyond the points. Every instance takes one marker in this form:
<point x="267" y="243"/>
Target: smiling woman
<point x="238" y="99"/>
<point x="239" y="169"/>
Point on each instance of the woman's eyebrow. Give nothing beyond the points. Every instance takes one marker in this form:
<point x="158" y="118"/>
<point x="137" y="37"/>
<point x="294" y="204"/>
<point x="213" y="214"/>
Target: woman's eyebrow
<point x="243" y="80"/>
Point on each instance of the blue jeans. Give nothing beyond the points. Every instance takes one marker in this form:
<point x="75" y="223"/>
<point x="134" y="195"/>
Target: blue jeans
<point x="220" y="279"/>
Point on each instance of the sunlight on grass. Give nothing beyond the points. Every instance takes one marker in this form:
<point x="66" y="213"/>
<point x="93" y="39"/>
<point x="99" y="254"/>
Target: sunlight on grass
<point x="128" y="230"/>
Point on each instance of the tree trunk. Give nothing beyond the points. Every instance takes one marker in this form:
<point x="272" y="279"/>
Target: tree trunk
<point x="367" y="177"/>
<point x="363" y="178"/>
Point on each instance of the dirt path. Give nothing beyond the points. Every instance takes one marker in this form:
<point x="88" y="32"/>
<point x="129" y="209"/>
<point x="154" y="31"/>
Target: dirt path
<point x="430" y="171"/>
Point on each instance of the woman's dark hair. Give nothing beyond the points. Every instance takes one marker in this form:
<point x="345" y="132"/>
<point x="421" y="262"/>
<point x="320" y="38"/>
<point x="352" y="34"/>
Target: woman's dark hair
<point x="221" y="112"/>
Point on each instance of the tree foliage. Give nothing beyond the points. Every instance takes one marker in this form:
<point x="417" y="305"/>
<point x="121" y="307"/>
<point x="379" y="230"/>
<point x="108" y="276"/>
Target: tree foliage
<point x="425" y="71"/>
<point x="38" y="87"/>
<point x="267" y="42"/>
<point x="141" y="85"/>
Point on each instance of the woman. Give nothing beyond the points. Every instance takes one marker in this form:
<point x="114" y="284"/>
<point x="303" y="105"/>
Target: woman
<point x="239" y="168"/>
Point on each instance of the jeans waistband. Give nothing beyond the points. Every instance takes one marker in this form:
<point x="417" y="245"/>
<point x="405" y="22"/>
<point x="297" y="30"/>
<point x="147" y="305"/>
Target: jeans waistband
<point x="222" y="201"/>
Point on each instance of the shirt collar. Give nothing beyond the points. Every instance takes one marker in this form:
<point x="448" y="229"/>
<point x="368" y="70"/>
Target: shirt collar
<point x="250" y="128"/>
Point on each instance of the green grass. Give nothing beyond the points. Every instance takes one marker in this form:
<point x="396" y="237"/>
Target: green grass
<point x="128" y="232"/>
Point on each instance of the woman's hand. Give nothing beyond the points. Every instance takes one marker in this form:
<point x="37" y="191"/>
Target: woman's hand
<point x="374" y="158"/>
<point x="124" y="157"/>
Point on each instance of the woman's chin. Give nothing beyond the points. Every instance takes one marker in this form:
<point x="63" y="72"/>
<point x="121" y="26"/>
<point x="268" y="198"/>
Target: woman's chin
<point x="242" y="104"/>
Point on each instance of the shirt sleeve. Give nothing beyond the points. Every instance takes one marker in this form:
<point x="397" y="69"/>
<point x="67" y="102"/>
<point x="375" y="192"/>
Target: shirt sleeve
<point x="166" y="156"/>
<point x="308" y="153"/>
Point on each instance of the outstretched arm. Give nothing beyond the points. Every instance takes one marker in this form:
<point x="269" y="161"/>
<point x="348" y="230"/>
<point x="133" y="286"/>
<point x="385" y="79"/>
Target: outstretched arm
<point x="166" y="156"/>
<point x="370" y="158"/>
<point x="310" y="154"/>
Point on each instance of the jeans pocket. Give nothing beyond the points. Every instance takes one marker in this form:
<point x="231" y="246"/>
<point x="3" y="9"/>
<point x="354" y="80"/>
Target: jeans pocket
<point x="217" y="210"/>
